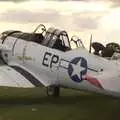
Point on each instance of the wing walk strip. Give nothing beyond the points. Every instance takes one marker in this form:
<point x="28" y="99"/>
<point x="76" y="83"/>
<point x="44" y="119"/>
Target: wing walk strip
<point x="28" y="76"/>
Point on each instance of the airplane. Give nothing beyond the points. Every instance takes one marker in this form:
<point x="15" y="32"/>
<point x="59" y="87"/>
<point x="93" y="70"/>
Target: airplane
<point x="47" y="59"/>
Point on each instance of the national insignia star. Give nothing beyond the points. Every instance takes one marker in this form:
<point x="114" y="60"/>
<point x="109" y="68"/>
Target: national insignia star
<point x="77" y="69"/>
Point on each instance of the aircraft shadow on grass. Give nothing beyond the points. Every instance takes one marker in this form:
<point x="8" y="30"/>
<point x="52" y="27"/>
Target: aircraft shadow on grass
<point x="77" y="99"/>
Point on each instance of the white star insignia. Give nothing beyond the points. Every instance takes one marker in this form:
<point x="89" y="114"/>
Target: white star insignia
<point x="77" y="68"/>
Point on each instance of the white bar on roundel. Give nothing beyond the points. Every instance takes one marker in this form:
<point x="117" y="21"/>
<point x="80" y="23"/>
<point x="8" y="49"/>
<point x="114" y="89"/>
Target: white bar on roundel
<point x="64" y="63"/>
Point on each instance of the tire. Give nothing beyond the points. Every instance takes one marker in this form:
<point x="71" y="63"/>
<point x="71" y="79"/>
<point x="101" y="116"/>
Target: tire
<point x="53" y="91"/>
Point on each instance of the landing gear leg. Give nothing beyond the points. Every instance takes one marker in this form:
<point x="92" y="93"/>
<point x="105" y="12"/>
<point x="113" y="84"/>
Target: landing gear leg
<point x="53" y="91"/>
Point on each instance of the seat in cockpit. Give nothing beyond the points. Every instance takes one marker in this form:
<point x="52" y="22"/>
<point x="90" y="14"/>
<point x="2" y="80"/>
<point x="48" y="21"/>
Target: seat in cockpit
<point x="58" y="44"/>
<point x="55" y="38"/>
<point x="38" y="38"/>
<point x="48" y="36"/>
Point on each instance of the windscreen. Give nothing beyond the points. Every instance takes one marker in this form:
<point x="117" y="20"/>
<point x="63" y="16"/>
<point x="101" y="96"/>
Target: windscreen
<point x="65" y="39"/>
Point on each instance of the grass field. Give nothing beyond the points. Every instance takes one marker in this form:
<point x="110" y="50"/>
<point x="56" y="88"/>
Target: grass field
<point x="33" y="104"/>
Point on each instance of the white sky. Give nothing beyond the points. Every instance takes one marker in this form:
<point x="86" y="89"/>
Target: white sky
<point x="79" y="18"/>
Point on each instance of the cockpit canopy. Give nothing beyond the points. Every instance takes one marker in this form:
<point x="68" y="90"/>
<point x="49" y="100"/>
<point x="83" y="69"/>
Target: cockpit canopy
<point x="77" y="41"/>
<point x="57" y="39"/>
<point x="53" y="38"/>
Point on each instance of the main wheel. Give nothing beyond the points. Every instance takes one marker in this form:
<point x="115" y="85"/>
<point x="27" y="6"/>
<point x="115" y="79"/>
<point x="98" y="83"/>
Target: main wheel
<point x="53" y="91"/>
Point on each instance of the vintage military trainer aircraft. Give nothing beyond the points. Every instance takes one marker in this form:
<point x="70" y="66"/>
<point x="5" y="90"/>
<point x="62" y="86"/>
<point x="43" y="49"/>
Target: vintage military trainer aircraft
<point x="47" y="59"/>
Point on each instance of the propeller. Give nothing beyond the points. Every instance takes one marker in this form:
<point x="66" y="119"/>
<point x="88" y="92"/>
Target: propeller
<point x="90" y="44"/>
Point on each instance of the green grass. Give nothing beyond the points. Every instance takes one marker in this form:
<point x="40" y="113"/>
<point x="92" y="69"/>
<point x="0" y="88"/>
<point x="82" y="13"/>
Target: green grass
<point x="33" y="104"/>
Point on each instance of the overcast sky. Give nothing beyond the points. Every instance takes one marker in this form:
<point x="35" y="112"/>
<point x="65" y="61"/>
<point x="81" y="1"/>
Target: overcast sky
<point x="80" y="17"/>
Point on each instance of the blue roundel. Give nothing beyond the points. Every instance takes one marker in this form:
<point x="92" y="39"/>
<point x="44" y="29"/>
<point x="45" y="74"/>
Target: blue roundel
<point x="77" y="68"/>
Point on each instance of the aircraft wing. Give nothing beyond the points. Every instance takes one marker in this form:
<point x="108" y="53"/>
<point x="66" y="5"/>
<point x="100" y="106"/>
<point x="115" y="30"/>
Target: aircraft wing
<point x="11" y="78"/>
